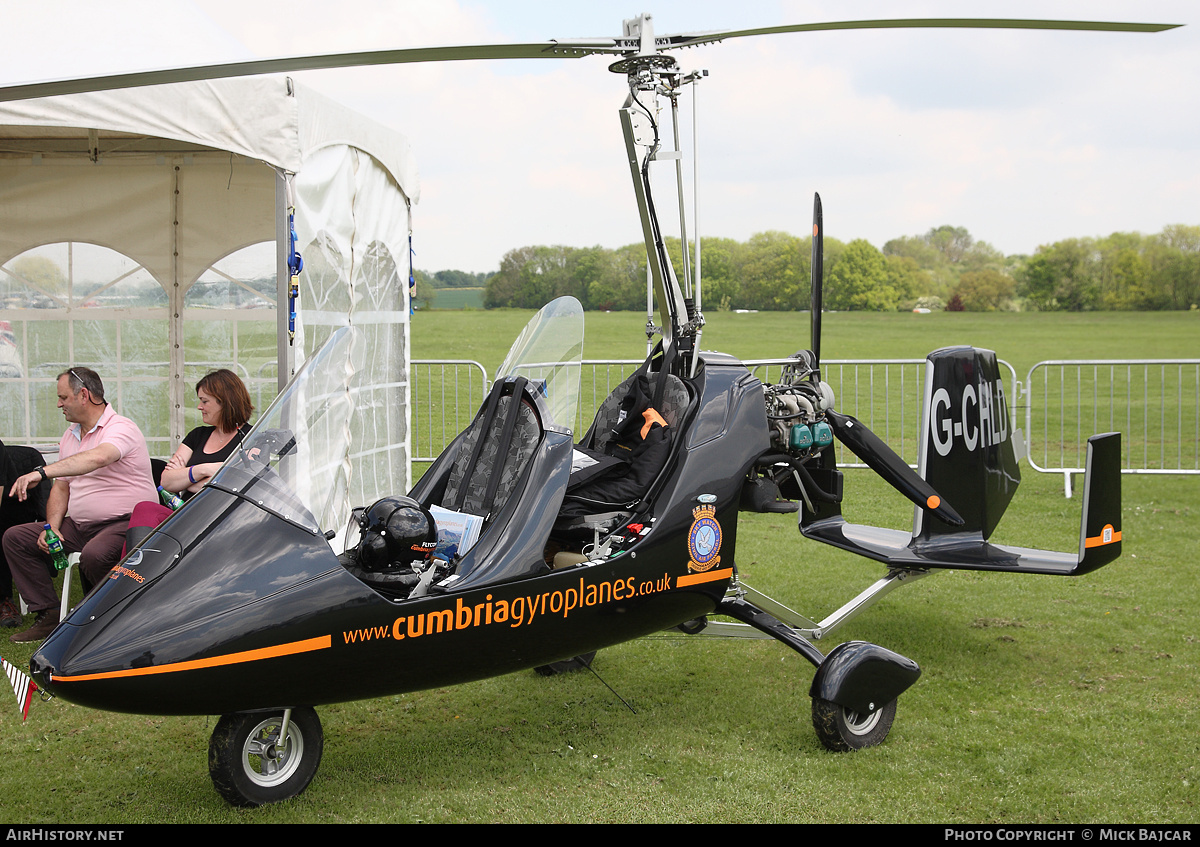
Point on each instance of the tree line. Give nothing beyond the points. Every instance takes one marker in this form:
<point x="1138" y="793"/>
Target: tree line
<point x="944" y="268"/>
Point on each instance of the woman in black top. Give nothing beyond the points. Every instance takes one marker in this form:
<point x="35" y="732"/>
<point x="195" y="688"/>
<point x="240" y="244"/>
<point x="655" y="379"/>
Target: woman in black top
<point x="225" y="408"/>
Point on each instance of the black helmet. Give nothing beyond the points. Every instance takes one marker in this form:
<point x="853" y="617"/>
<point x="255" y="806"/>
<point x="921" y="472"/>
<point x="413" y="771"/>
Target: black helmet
<point x="396" y="532"/>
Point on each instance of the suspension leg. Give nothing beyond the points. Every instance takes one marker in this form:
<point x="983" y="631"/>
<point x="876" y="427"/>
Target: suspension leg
<point x="760" y="620"/>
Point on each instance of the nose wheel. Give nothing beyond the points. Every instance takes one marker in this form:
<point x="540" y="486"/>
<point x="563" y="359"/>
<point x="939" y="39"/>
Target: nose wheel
<point x="250" y="764"/>
<point x="842" y="729"/>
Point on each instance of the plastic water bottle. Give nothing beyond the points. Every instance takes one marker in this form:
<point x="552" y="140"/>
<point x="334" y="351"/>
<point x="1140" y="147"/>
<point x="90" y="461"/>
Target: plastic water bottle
<point x="57" y="554"/>
<point x="169" y="499"/>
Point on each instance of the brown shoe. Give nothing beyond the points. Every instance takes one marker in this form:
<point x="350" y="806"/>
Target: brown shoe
<point x="43" y="625"/>
<point x="9" y="615"/>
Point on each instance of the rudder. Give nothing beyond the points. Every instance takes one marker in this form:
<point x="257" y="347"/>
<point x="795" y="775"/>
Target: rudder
<point x="966" y="452"/>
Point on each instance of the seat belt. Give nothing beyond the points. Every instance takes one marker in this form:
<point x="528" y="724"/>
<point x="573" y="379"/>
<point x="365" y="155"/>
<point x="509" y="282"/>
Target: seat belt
<point x="502" y="450"/>
<point x="483" y="423"/>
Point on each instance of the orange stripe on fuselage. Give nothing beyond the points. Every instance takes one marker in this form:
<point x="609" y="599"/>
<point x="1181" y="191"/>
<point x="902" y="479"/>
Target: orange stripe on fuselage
<point x="709" y="576"/>
<point x="291" y="649"/>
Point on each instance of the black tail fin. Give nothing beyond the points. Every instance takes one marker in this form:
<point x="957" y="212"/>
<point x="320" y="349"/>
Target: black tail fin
<point x="1100" y="531"/>
<point x="966" y="451"/>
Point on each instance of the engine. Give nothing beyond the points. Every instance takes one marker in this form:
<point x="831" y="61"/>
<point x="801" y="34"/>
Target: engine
<point x="796" y="408"/>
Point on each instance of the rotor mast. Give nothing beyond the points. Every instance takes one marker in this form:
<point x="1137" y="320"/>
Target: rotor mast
<point x="650" y="74"/>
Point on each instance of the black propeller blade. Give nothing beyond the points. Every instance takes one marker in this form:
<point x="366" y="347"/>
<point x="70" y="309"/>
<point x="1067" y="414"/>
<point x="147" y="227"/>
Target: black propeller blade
<point x="883" y="460"/>
<point x="817" y="277"/>
<point x="554" y="49"/>
<point x="849" y="430"/>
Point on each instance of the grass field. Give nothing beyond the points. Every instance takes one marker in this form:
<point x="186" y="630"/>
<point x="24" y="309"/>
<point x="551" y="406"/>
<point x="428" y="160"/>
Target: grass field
<point x="1043" y="699"/>
<point x="1156" y="407"/>
<point x="458" y="298"/>
<point x="1021" y="338"/>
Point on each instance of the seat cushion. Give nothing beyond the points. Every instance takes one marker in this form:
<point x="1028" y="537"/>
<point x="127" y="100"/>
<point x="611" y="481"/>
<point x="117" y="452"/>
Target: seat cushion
<point x="525" y="437"/>
<point x="674" y="403"/>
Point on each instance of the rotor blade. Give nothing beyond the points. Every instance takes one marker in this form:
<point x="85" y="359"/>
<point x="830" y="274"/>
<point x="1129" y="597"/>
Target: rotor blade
<point x="883" y="460"/>
<point x="136" y="79"/>
<point x="694" y="39"/>
<point x="555" y="49"/>
<point x="817" y="276"/>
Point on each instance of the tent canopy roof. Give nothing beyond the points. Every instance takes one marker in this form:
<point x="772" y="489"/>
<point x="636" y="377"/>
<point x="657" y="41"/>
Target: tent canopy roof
<point x="268" y="118"/>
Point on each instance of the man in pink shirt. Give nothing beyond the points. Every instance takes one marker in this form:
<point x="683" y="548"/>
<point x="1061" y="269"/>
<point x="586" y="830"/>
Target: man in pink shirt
<point x="103" y="471"/>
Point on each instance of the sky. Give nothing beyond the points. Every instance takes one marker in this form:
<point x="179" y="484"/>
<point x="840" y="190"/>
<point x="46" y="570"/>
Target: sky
<point x="1024" y="138"/>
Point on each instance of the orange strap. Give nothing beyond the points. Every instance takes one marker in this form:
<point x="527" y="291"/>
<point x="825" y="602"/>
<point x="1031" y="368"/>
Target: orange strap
<point x="652" y="417"/>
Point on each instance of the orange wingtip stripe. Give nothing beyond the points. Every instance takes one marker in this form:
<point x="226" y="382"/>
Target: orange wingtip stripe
<point x="707" y="576"/>
<point x="1108" y="535"/>
<point x="290" y="649"/>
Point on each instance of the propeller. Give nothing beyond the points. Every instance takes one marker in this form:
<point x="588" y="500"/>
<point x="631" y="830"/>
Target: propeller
<point x="817" y="275"/>
<point x="848" y="429"/>
<point x="638" y="42"/>
<point x="884" y="461"/>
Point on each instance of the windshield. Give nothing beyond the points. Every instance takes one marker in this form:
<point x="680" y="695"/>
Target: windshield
<point x="548" y="353"/>
<point x="295" y="462"/>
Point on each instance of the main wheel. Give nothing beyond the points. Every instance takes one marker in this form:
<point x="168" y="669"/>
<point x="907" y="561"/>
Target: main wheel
<point x="841" y="729"/>
<point x="248" y="764"/>
<point x="693" y="627"/>
<point x="567" y="665"/>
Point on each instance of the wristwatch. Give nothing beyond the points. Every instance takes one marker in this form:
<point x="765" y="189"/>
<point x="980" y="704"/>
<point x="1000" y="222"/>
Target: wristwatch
<point x="42" y="470"/>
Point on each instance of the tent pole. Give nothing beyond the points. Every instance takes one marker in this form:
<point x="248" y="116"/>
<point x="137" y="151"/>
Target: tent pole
<point x="282" y="279"/>
<point x="176" y="393"/>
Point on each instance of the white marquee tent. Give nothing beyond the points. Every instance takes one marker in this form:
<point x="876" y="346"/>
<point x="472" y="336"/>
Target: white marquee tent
<point x="144" y="233"/>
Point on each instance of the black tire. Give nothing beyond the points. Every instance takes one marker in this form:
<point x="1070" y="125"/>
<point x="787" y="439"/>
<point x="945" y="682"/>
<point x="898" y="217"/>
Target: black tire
<point x="246" y="765"/>
<point x="841" y="729"/>
<point x="568" y="665"/>
<point x="693" y="627"/>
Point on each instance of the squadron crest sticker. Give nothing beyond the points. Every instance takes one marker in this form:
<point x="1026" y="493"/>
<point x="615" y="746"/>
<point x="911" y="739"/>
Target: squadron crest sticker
<point x="704" y="539"/>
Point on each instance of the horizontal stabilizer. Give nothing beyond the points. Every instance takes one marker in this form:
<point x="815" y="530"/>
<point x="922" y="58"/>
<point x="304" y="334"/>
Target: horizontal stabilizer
<point x="1099" y="538"/>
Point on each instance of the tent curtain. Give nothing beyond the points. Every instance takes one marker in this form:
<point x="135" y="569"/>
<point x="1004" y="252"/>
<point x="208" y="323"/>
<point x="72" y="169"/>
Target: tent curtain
<point x="352" y="228"/>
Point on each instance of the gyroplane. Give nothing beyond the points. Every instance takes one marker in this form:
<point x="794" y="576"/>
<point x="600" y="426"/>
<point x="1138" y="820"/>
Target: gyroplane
<point x="530" y="545"/>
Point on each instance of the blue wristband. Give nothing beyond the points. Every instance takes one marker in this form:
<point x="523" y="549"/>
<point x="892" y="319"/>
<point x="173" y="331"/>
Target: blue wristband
<point x="192" y="478"/>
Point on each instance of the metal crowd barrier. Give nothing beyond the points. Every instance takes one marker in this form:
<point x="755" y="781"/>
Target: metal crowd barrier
<point x="445" y="394"/>
<point x="885" y="394"/>
<point x="1153" y="403"/>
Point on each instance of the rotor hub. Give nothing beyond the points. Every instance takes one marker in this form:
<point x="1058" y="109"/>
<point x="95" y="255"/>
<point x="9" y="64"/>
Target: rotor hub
<point x="643" y="62"/>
